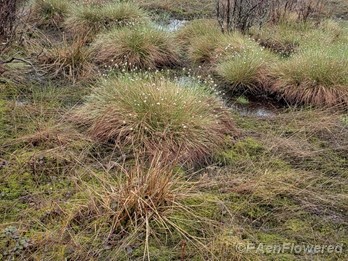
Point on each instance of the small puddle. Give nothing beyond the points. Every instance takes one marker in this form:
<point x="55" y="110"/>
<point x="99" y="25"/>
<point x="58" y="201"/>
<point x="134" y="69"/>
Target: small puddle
<point x="172" y="25"/>
<point x="251" y="111"/>
<point x="259" y="109"/>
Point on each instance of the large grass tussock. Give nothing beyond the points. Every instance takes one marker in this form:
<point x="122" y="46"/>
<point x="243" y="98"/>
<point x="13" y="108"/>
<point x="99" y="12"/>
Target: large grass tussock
<point x="315" y="77"/>
<point x="247" y="70"/>
<point x="142" y="116"/>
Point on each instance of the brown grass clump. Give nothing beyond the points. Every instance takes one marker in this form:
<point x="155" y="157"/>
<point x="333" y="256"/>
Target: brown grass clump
<point x="145" y="116"/>
<point x="70" y="61"/>
<point x="140" y="47"/>
<point x="129" y="207"/>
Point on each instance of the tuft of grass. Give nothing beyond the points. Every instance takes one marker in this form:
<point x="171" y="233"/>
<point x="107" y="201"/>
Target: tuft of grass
<point x="141" y="47"/>
<point x="315" y="76"/>
<point x="142" y="116"/>
<point x="136" y="201"/>
<point x="247" y="70"/>
<point x="203" y="42"/>
<point x="71" y="61"/>
<point x="49" y="13"/>
<point x="90" y="19"/>
<point x="287" y="38"/>
<point x="199" y="27"/>
<point x="220" y="47"/>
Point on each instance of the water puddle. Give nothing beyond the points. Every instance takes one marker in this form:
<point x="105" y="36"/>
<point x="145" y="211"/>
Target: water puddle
<point x="258" y="108"/>
<point x="172" y="25"/>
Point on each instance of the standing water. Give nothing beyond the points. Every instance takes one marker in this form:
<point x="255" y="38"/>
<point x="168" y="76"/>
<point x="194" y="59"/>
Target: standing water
<point x="172" y="25"/>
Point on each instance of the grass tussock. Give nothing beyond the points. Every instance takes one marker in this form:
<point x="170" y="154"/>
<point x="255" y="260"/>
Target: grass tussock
<point x="147" y="116"/>
<point x="199" y="27"/>
<point x="49" y="13"/>
<point x="141" y="47"/>
<point x="138" y="201"/>
<point x="71" y="61"/>
<point x="247" y="70"/>
<point x="315" y="77"/>
<point x="212" y="50"/>
<point x="203" y="42"/>
<point x="287" y="38"/>
<point x="132" y="208"/>
<point x="91" y="19"/>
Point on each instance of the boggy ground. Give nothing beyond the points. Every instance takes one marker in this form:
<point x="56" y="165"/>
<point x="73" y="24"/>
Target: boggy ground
<point x="280" y="176"/>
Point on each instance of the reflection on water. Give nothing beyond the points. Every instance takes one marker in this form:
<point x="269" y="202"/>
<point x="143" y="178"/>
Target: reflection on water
<point x="171" y="26"/>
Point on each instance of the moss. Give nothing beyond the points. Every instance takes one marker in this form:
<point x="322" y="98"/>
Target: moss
<point x="246" y="148"/>
<point x="243" y="100"/>
<point x="344" y="120"/>
<point x="296" y="225"/>
<point x="2" y="121"/>
<point x="14" y="186"/>
<point x="270" y="238"/>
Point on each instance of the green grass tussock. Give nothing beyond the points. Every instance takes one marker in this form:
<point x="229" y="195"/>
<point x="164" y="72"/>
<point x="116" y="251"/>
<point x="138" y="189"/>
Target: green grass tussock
<point x="247" y="70"/>
<point x="143" y="116"/>
<point x="212" y="50"/>
<point x="91" y="19"/>
<point x="49" y="13"/>
<point x="199" y="27"/>
<point x="314" y="76"/>
<point x="287" y="38"/>
<point x="203" y="42"/>
<point x="140" y="47"/>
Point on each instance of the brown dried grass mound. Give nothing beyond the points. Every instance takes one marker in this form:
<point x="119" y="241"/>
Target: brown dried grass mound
<point x="143" y="116"/>
<point x="66" y="60"/>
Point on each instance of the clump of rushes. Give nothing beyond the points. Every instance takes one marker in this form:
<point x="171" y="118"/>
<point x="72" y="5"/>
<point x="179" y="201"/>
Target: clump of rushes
<point x="247" y="70"/>
<point x="91" y="19"/>
<point x="49" y="13"/>
<point x="141" y="47"/>
<point x="145" y="116"/>
<point x="314" y="76"/>
<point x="71" y="61"/>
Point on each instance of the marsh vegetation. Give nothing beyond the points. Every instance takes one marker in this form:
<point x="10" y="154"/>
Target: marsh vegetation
<point x="145" y="130"/>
